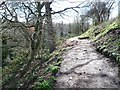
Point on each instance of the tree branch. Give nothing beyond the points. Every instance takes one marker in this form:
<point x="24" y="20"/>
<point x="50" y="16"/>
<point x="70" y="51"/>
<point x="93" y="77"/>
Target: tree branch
<point x="78" y="6"/>
<point x="2" y="4"/>
<point x="29" y="9"/>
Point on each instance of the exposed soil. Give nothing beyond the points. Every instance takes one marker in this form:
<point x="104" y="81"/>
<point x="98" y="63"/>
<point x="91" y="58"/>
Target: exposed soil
<point x="83" y="67"/>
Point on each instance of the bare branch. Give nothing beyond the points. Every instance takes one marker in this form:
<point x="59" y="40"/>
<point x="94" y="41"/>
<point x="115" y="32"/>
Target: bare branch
<point x="75" y="7"/>
<point x="2" y="4"/>
<point x="29" y="9"/>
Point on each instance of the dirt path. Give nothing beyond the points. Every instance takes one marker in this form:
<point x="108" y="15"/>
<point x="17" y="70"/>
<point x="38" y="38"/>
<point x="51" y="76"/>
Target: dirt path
<point x="83" y="67"/>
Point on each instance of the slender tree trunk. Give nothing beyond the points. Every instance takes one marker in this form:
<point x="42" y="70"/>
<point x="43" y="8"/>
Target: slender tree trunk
<point x="49" y="27"/>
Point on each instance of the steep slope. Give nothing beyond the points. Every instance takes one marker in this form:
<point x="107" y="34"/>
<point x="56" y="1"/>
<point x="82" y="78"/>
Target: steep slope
<point x="107" y="38"/>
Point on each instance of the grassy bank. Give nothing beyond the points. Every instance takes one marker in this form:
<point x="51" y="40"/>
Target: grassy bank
<point x="107" y="38"/>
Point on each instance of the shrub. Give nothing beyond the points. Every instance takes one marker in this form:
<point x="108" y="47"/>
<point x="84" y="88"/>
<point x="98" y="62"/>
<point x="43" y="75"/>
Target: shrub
<point x="44" y="84"/>
<point x="53" y="69"/>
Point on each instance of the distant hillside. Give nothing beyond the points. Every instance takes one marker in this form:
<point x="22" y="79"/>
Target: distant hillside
<point x="106" y="37"/>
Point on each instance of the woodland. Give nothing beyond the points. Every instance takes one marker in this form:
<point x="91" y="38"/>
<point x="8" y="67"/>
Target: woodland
<point x="38" y="53"/>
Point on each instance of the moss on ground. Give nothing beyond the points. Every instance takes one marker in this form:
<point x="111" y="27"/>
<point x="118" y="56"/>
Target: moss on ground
<point x="107" y="38"/>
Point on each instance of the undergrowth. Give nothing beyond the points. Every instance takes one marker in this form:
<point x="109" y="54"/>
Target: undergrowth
<point x="38" y="76"/>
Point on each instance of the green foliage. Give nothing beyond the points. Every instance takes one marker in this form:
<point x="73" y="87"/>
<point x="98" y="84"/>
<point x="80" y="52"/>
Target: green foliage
<point x="16" y="66"/>
<point x="53" y="69"/>
<point x="59" y="41"/>
<point x="55" y="53"/>
<point x="63" y="49"/>
<point x="59" y="63"/>
<point x="19" y="60"/>
<point x="5" y="49"/>
<point x="5" y="53"/>
<point x="88" y="33"/>
<point x="105" y="30"/>
<point x="45" y="57"/>
<point x="43" y="84"/>
<point x="109" y="44"/>
<point x="50" y="71"/>
<point x="8" y="52"/>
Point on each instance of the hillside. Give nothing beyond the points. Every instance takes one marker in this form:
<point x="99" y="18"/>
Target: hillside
<point x="107" y="38"/>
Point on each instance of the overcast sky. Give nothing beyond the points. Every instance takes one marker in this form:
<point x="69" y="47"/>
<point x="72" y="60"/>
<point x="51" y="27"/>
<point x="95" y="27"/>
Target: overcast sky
<point x="70" y="14"/>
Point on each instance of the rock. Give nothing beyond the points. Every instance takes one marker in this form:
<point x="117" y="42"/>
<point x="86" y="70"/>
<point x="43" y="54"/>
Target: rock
<point x="70" y="78"/>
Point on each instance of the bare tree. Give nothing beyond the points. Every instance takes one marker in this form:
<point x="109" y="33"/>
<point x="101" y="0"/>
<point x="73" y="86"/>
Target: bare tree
<point x="10" y="20"/>
<point x="80" y="24"/>
<point x="99" y="11"/>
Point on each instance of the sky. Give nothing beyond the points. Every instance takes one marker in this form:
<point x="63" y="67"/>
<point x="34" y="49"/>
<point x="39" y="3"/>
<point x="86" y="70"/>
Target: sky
<point x="70" y="14"/>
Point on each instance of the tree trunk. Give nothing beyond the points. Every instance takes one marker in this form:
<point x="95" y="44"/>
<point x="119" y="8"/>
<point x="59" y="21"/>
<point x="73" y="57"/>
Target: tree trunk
<point x="49" y="27"/>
